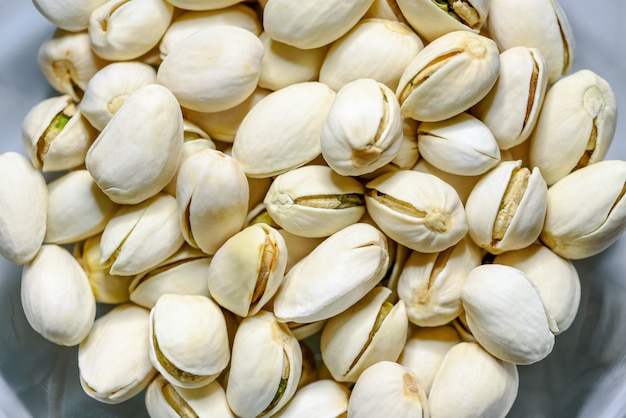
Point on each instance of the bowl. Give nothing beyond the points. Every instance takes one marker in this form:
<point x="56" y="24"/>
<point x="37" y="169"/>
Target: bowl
<point x="584" y="376"/>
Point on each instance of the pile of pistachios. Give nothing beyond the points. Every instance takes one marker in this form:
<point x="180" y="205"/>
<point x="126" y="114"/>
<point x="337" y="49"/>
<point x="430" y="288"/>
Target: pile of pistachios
<point x="324" y="208"/>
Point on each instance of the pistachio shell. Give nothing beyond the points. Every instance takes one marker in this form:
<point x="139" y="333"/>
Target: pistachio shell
<point x="24" y="202"/>
<point x="203" y="4"/>
<point x="67" y="15"/>
<point x="114" y="359"/>
<point x="321" y="399"/>
<point x="56" y="296"/>
<point x="188" y="339"/>
<point x="146" y="132"/>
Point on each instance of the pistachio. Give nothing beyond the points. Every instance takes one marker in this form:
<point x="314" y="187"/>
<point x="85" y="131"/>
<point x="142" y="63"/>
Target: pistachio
<point x="114" y="360"/>
<point x="554" y="276"/>
<point x="388" y="388"/>
<point x="447" y="77"/>
<point x="110" y="87"/>
<point x="55" y="135"/>
<point x="214" y="69"/>
<point x="334" y="276"/>
<point x="282" y="131"/>
<point x="147" y="131"/>
<point x="139" y="237"/>
<point x="56" y="296"/>
<point x="196" y="140"/>
<point x="77" y="208"/>
<point x="430" y="284"/>
<point x="212" y="198"/>
<point x="507" y="207"/>
<point x="460" y="145"/>
<point x="183" y="273"/>
<point x="68" y="62"/>
<point x="575" y="126"/>
<point x="123" y="30"/>
<point x="374" y="48"/>
<point x="319" y="399"/>
<point x="265" y="367"/>
<point x="540" y="24"/>
<point x="512" y="107"/>
<point x="363" y="129"/>
<point x="417" y="210"/>
<point x="425" y="350"/>
<point x="370" y="331"/>
<point x="106" y="287"/>
<point x="188" y="339"/>
<point x="434" y="18"/>
<point x="203" y="4"/>
<point x="472" y="383"/>
<point x="506" y="314"/>
<point x="247" y="270"/>
<point x="67" y="15"/>
<point x="600" y="189"/>
<point x="24" y="202"/>
<point x="165" y="399"/>
<point x="314" y="201"/>
<point x="306" y="25"/>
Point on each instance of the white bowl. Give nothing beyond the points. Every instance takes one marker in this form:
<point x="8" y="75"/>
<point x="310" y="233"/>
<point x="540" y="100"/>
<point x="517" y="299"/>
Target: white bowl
<point x="584" y="376"/>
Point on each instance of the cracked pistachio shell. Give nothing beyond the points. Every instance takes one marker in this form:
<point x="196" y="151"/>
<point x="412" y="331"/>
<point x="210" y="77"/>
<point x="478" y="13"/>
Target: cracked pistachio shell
<point x="56" y="296"/>
<point x="374" y="48"/>
<point x="213" y="69"/>
<point x="68" y="15"/>
<point x="461" y="145"/>
<point x="510" y="110"/>
<point x="196" y="140"/>
<point x="106" y="287"/>
<point x="203" y="4"/>
<point x="77" y="208"/>
<point x="306" y="25"/>
<point x="388" y="389"/>
<point x="139" y="237"/>
<point x="575" y="126"/>
<point x="55" y="134"/>
<point x="188" y="340"/>
<point x="462" y="184"/>
<point x="430" y="283"/>
<point x="372" y="330"/>
<point x="168" y="401"/>
<point x="472" y="383"/>
<point x="599" y="189"/>
<point x="110" y="87"/>
<point x="223" y="125"/>
<point x="434" y="18"/>
<point x="282" y="131"/>
<point x="183" y="273"/>
<point x="284" y="65"/>
<point x="506" y="314"/>
<point x="334" y="276"/>
<point x="314" y="201"/>
<point x="554" y="276"/>
<point x="146" y="133"/>
<point x="114" y="360"/>
<point x="122" y="30"/>
<point x="425" y="350"/>
<point x="417" y="210"/>
<point x="68" y="62"/>
<point x="212" y="197"/>
<point x="247" y="270"/>
<point x="191" y="22"/>
<point x="320" y="399"/>
<point x="265" y="368"/>
<point x="540" y="24"/>
<point x="24" y="202"/>
<point x="507" y="207"/>
<point x="447" y="77"/>
<point x="363" y="128"/>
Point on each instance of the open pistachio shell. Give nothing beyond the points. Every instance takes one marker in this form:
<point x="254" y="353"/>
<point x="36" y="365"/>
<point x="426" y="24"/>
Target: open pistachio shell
<point x="372" y="330"/>
<point x="265" y="368"/>
<point x="247" y="270"/>
<point x="114" y="359"/>
<point x="188" y="339"/>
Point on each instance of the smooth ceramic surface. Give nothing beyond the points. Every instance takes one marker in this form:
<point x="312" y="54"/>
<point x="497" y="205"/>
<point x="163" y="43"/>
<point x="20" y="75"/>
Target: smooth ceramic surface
<point x="584" y="376"/>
